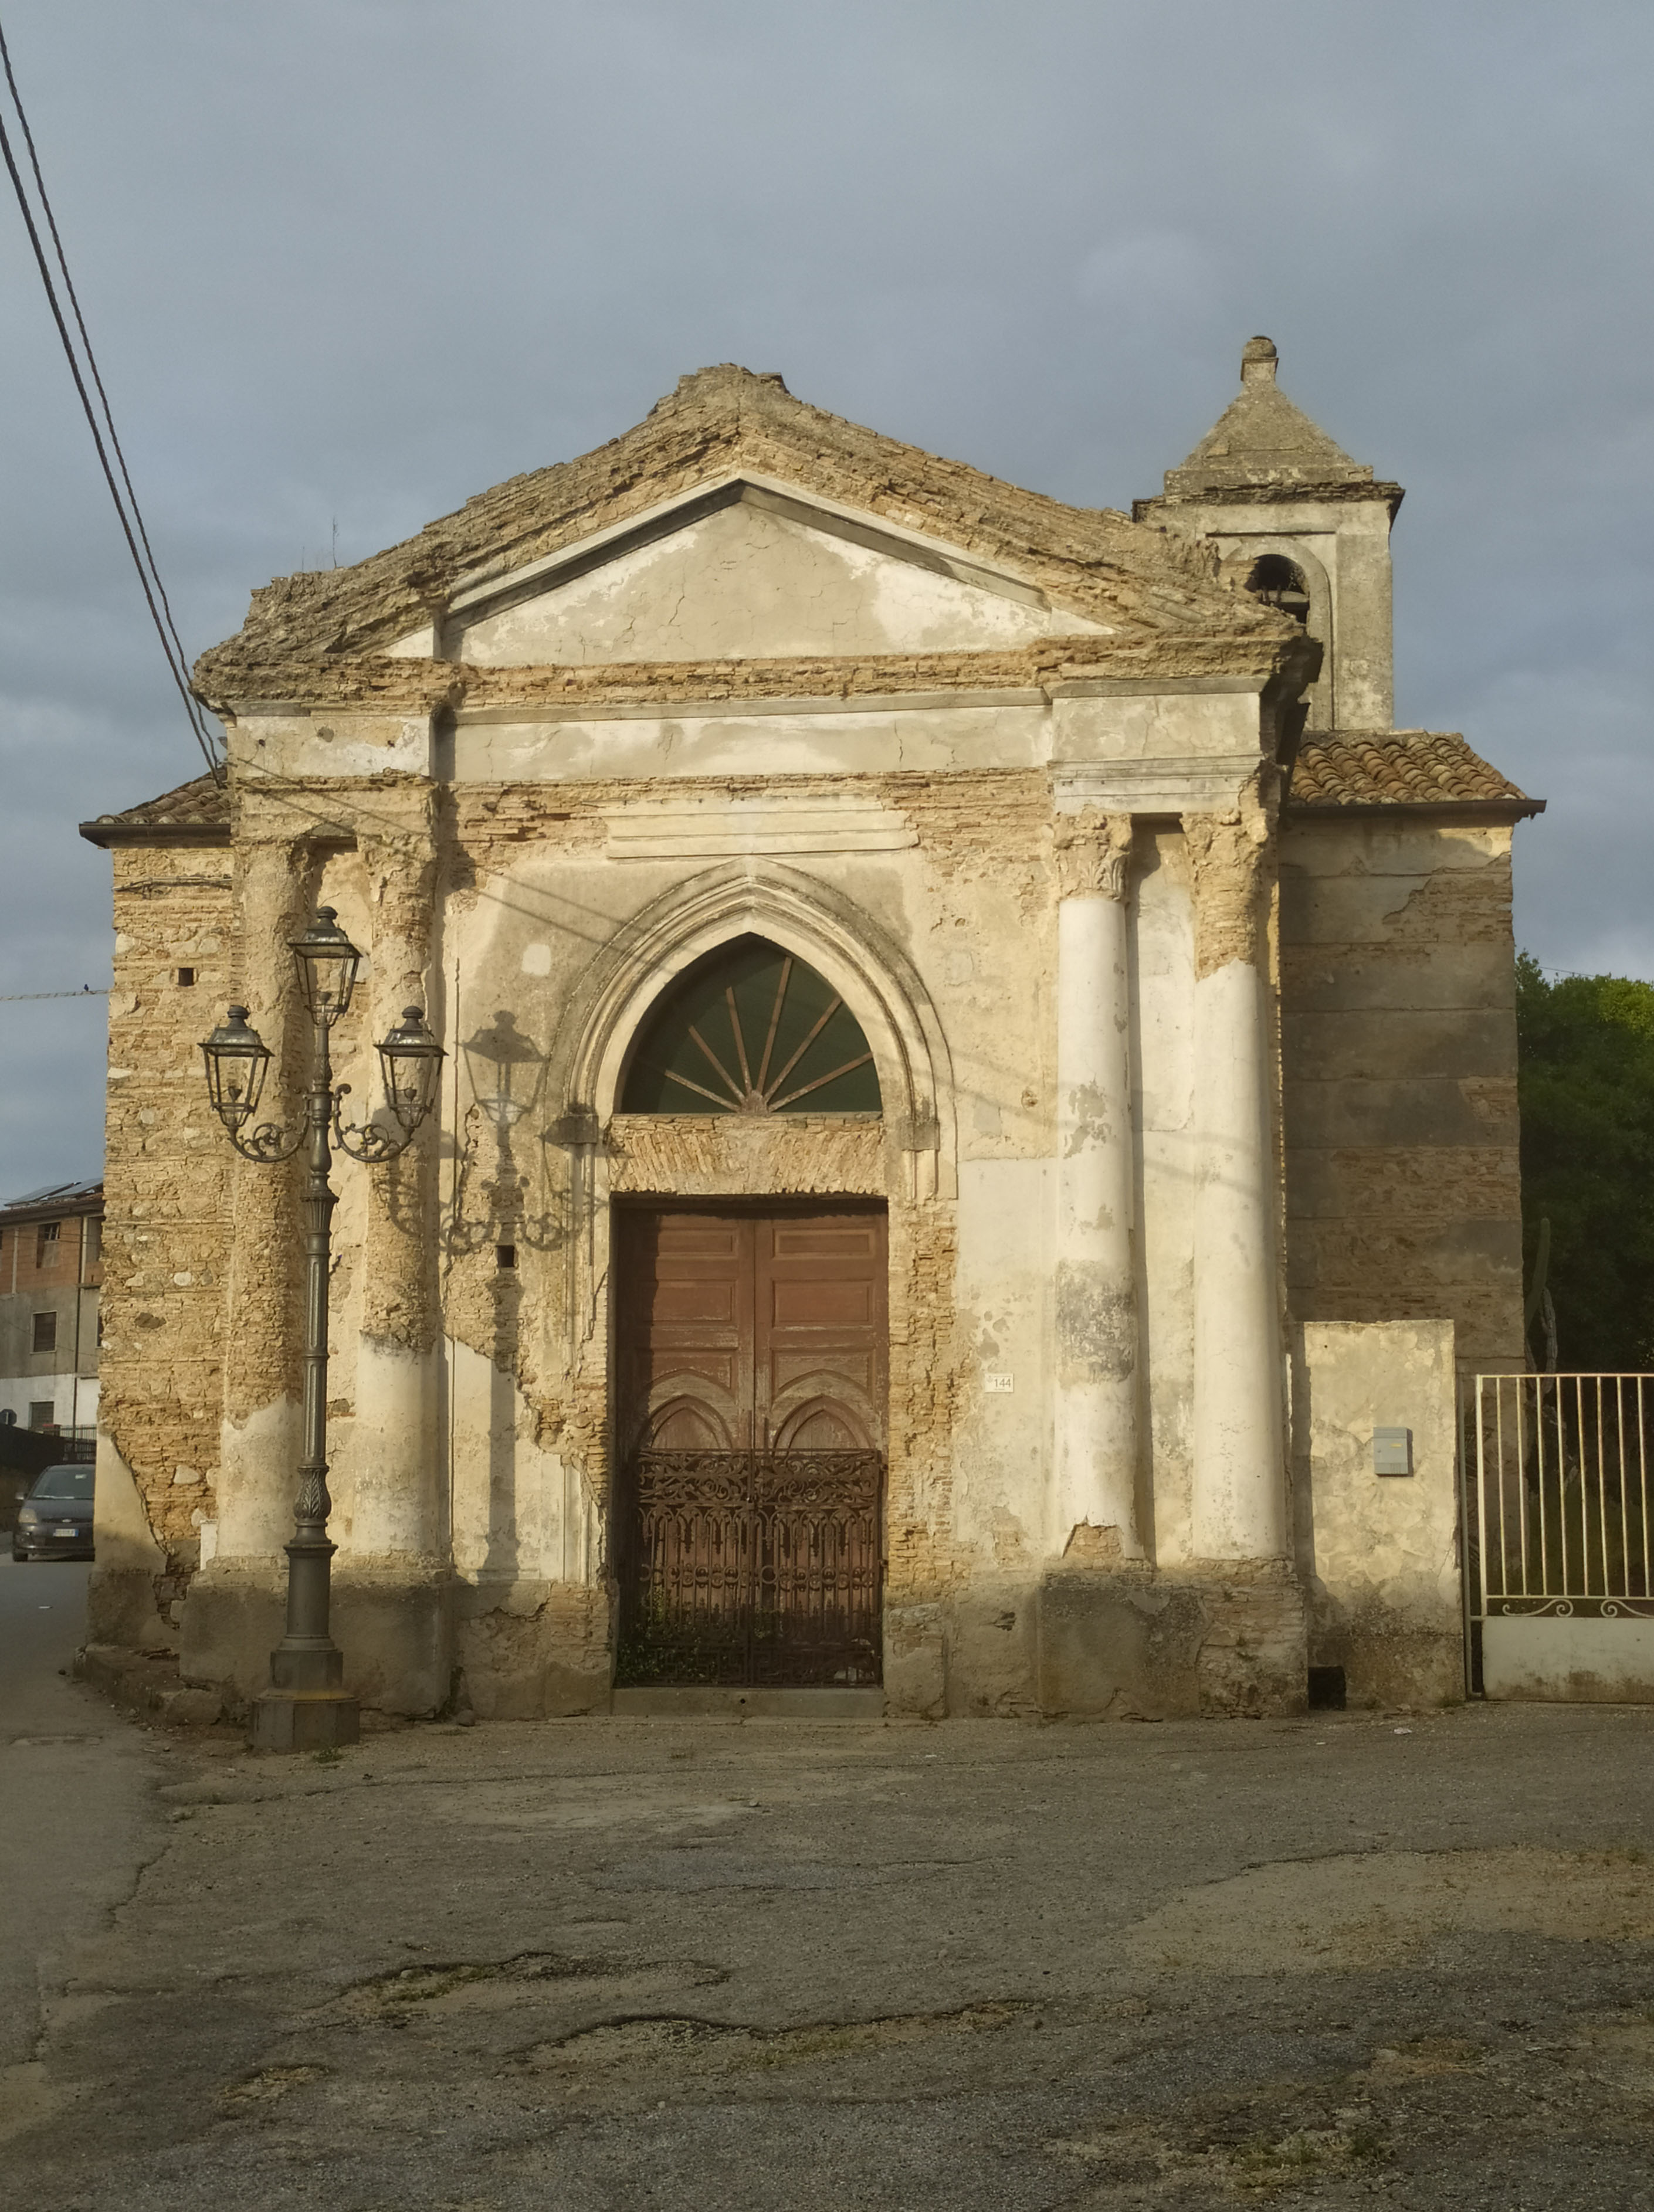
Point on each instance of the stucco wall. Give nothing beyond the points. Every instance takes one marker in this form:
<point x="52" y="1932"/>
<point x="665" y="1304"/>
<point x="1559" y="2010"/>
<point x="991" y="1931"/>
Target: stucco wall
<point x="1380" y="1552"/>
<point x="755" y="584"/>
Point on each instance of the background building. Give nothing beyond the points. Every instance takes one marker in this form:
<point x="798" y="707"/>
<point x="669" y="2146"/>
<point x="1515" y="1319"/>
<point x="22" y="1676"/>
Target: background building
<point x="51" y="1271"/>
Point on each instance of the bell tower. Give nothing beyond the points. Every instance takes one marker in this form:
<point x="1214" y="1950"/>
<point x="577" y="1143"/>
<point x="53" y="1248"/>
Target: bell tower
<point x="1302" y="525"/>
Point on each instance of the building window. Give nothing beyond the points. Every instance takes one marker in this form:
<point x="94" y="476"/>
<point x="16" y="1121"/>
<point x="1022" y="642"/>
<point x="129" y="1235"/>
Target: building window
<point x="45" y="1241"/>
<point x="1279" y="582"/>
<point x="185" y="976"/>
<point x="45" y="1332"/>
<point x="505" y="1255"/>
<point x="41" y="1412"/>
<point x="751" y="1029"/>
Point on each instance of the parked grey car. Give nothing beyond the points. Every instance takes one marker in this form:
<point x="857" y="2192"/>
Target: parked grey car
<point x="54" y="1521"/>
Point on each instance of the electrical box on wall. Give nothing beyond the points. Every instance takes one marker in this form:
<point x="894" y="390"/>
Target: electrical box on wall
<point x="1392" y="1451"/>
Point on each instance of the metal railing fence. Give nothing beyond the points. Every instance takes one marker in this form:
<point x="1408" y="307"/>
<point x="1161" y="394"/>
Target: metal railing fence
<point x="1557" y="1513"/>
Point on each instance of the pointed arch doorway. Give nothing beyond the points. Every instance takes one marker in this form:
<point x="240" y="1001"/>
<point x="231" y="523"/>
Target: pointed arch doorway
<point x="751" y="1352"/>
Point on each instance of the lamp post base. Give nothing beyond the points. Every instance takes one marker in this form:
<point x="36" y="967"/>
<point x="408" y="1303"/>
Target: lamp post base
<point x="305" y="1720"/>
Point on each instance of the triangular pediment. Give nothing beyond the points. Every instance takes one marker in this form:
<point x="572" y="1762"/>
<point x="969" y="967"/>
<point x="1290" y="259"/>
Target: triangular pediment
<point x="737" y="522"/>
<point x="744" y="569"/>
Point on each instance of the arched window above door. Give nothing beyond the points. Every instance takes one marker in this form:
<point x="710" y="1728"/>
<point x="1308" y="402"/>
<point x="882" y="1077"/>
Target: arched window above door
<point x="750" y="1029"/>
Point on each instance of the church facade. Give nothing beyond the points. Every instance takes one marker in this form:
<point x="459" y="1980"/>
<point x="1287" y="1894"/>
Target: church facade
<point x="979" y="1122"/>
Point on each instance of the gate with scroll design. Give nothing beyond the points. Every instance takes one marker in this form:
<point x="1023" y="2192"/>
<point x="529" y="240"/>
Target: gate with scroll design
<point x="752" y="1568"/>
<point x="1558" y="1475"/>
<point x="748" y="1483"/>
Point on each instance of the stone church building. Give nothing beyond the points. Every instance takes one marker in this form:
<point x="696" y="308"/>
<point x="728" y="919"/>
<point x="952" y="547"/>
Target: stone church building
<point x="979" y="1121"/>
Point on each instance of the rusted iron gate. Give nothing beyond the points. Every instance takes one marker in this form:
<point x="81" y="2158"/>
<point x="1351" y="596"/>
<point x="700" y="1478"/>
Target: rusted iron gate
<point x="1557" y="1526"/>
<point x="751" y="1568"/>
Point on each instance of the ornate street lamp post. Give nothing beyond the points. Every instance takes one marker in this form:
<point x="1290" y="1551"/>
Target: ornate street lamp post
<point x="306" y="1707"/>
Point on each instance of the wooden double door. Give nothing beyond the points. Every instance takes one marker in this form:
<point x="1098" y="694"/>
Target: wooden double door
<point x="751" y="1353"/>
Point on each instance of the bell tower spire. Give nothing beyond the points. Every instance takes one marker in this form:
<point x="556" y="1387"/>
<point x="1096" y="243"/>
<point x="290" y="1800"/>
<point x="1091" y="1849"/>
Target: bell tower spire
<point x="1305" y="526"/>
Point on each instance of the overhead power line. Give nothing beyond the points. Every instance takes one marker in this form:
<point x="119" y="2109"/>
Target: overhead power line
<point x="86" y="991"/>
<point x="125" y="498"/>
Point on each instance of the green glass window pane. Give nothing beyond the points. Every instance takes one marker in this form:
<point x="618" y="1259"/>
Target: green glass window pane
<point x="751" y="1029"/>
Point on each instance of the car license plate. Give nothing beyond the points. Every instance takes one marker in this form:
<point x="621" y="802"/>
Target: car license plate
<point x="65" y="1531"/>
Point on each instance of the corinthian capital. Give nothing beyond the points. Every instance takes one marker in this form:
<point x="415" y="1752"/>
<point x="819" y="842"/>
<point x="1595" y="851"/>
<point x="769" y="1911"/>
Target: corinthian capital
<point x="1227" y="853"/>
<point x="1093" y="853"/>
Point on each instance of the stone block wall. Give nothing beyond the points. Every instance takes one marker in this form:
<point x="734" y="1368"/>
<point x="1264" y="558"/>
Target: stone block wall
<point x="166" y="1192"/>
<point x="1398" y="1050"/>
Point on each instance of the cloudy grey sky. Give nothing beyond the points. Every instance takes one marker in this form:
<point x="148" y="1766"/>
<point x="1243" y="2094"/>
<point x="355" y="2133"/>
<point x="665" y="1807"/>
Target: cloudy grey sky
<point x="349" y="261"/>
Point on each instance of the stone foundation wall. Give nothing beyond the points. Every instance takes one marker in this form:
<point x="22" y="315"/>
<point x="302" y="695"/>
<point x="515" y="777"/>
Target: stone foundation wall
<point x="1094" y="1642"/>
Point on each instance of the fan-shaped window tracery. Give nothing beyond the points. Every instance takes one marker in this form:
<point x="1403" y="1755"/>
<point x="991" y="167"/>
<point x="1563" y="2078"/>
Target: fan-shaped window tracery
<point x="750" y="1029"/>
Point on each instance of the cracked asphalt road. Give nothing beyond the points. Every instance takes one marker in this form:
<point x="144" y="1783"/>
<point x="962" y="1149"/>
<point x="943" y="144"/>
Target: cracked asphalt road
<point x="606" y="1963"/>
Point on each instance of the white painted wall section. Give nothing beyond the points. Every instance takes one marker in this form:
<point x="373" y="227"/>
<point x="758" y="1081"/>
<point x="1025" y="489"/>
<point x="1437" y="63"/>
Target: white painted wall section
<point x="1569" y="1661"/>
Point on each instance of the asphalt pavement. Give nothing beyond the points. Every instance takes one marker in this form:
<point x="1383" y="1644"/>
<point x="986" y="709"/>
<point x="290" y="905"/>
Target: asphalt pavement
<point x="77" y="1813"/>
<point x="632" y="1965"/>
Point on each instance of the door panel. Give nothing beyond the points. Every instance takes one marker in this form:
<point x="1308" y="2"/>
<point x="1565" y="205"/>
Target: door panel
<point x="750" y="1361"/>
<point x="685" y="1349"/>
<point x="821" y="1334"/>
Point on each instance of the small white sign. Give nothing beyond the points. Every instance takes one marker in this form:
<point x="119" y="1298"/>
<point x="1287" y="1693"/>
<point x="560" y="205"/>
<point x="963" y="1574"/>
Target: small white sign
<point x="997" y="1383"/>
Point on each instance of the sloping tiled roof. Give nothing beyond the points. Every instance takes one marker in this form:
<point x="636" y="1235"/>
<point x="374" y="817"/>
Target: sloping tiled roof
<point x="197" y="814"/>
<point x="1144" y="584"/>
<point x="1397" y="767"/>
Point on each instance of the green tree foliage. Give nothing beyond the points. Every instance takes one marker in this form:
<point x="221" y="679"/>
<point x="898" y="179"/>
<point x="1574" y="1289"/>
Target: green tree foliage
<point x="1586" y="1046"/>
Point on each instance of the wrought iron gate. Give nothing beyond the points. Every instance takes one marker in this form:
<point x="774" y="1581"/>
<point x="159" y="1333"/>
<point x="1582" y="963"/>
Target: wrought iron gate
<point x="757" y="1568"/>
<point x="1558" y="1473"/>
<point x="1558" y="1536"/>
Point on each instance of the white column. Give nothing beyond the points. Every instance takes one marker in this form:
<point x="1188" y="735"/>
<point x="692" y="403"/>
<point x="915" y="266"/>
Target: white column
<point x="396" y="1495"/>
<point x="1096" y="1404"/>
<point x="1239" y="1502"/>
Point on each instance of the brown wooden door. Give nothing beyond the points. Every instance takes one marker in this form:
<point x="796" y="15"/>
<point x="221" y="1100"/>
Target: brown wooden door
<point x="684" y="1366"/>
<point x="746" y="1331"/>
<point x="750" y="1426"/>
<point x="820" y="1344"/>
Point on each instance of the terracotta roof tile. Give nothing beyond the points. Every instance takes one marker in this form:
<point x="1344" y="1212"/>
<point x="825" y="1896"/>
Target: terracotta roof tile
<point x="197" y="814"/>
<point x="1396" y="767"/>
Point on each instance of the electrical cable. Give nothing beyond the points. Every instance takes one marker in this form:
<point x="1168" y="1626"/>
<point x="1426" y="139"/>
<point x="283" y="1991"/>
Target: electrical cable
<point x="92" y="363"/>
<point x="149" y="579"/>
<point x="86" y="991"/>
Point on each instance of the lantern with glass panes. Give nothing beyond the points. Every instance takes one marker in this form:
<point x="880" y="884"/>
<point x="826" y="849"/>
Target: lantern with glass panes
<point x="306" y="1706"/>
<point x="237" y="1059"/>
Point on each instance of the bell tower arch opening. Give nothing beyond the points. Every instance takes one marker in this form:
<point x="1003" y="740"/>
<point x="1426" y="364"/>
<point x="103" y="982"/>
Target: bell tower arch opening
<point x="1280" y="583"/>
<point x="1274" y="495"/>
